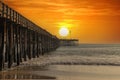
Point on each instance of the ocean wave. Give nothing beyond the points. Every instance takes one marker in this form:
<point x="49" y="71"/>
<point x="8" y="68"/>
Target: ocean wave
<point x="80" y="56"/>
<point x="85" y="60"/>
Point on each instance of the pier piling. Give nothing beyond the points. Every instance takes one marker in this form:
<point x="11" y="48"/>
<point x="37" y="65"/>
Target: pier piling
<point x="21" y="39"/>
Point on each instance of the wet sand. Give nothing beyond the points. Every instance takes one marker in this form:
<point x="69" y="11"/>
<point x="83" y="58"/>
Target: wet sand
<point x="70" y="63"/>
<point x="85" y="72"/>
<point x="63" y="72"/>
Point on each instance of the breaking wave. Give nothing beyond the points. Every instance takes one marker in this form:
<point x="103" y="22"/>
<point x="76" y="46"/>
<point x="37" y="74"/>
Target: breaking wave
<point x="87" y="55"/>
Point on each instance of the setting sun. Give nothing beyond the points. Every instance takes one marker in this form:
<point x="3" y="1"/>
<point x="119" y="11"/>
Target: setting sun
<point x="90" y="21"/>
<point x="63" y="32"/>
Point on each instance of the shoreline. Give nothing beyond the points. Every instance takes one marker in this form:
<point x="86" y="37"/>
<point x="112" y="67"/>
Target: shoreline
<point x="69" y="62"/>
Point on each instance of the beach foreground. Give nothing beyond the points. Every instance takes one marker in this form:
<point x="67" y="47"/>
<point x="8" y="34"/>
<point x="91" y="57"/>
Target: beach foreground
<point x="86" y="62"/>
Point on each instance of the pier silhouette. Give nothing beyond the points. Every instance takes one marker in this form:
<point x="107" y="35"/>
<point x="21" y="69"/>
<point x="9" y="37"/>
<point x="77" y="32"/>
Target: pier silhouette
<point x="21" y="39"/>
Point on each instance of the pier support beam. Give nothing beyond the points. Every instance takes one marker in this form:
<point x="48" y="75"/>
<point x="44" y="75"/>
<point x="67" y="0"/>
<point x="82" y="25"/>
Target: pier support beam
<point x="21" y="39"/>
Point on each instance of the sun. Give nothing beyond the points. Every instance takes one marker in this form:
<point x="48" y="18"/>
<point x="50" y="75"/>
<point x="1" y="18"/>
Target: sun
<point x="63" y="32"/>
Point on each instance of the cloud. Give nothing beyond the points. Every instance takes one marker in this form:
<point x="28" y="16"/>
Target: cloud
<point x="70" y="7"/>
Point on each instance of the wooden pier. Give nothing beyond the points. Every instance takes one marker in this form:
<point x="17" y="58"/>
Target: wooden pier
<point x="21" y="39"/>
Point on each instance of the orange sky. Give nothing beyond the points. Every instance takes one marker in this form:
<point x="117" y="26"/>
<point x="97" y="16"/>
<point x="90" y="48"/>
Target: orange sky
<point x="91" y="21"/>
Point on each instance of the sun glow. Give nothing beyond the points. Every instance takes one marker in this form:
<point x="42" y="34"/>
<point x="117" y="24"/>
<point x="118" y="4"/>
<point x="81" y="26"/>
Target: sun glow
<point x="63" y="32"/>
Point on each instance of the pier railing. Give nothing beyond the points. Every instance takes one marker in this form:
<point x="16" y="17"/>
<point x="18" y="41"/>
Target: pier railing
<point x="21" y="39"/>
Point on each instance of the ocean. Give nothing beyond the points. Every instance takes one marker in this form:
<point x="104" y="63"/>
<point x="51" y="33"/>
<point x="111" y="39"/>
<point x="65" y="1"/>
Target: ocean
<point x="88" y="54"/>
